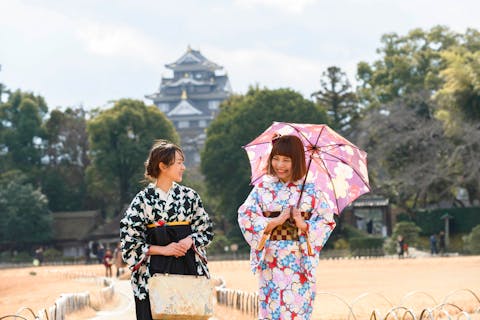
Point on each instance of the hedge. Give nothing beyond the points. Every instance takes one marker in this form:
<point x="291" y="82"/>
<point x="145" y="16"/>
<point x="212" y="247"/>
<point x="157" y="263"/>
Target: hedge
<point x="463" y="220"/>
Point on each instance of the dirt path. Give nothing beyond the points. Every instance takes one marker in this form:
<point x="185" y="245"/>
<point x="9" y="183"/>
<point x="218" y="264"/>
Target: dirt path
<point x="363" y="284"/>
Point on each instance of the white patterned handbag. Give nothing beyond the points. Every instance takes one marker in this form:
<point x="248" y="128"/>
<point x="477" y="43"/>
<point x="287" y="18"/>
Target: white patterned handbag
<point x="176" y="296"/>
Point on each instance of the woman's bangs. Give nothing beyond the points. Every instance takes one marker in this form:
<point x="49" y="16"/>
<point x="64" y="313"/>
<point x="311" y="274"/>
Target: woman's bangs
<point x="282" y="148"/>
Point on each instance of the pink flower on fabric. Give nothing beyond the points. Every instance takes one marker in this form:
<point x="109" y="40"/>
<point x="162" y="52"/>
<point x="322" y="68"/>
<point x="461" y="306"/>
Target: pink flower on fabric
<point x="281" y="278"/>
<point x="283" y="195"/>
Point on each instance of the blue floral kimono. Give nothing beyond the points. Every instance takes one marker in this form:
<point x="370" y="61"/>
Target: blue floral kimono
<point x="286" y="270"/>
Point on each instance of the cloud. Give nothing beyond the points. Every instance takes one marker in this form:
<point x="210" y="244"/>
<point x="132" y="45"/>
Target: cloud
<point x="268" y="68"/>
<point x="288" y="6"/>
<point x="32" y="20"/>
<point x="120" y="41"/>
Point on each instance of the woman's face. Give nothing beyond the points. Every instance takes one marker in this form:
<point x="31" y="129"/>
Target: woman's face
<point x="174" y="172"/>
<point x="282" y="166"/>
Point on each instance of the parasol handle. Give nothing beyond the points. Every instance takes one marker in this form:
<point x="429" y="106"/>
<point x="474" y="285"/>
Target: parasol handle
<point x="304" y="181"/>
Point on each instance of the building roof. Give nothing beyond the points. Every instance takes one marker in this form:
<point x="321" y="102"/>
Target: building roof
<point x="185" y="80"/>
<point x="216" y="95"/>
<point x="74" y="225"/>
<point x="184" y="107"/>
<point x="370" y="202"/>
<point x="109" y="230"/>
<point x="193" y="60"/>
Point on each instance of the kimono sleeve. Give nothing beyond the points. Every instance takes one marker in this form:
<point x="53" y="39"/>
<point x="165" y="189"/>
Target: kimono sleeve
<point x="133" y="233"/>
<point x="251" y="220"/>
<point x="202" y="226"/>
<point x="321" y="223"/>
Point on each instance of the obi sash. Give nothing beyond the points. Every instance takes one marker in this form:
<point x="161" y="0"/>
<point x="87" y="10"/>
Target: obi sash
<point x="163" y="233"/>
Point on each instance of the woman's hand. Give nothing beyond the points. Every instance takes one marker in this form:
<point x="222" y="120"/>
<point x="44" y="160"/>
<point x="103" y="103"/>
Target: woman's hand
<point x="173" y="249"/>
<point x="186" y="243"/>
<point x="299" y="221"/>
<point x="277" y="221"/>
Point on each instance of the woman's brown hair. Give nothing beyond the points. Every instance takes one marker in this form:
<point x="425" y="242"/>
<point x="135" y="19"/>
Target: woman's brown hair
<point x="161" y="151"/>
<point x="292" y="147"/>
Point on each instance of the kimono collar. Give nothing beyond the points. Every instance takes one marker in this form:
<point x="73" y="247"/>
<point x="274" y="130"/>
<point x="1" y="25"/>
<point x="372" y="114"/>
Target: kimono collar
<point x="273" y="179"/>
<point x="153" y="186"/>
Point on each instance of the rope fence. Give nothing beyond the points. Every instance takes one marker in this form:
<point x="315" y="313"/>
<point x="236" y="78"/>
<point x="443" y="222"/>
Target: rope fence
<point x="247" y="303"/>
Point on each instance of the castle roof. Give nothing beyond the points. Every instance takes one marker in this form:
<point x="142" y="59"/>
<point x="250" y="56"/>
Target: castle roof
<point x="193" y="60"/>
<point x="184" y="107"/>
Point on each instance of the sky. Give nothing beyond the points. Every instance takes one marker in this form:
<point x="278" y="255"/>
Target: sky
<point x="91" y="52"/>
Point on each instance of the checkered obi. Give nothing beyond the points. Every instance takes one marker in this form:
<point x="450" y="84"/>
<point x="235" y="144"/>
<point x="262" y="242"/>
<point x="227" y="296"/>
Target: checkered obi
<point x="288" y="230"/>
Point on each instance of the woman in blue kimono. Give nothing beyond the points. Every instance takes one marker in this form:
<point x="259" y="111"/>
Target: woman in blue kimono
<point x="285" y="234"/>
<point x="165" y="229"/>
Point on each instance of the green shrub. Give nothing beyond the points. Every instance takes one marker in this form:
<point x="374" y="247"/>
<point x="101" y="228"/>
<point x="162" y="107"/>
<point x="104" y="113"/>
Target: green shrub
<point x="22" y="256"/>
<point x="218" y="244"/>
<point x="408" y="230"/>
<point x="52" y="254"/>
<point x="352" y="232"/>
<point x="472" y="241"/>
<point x="5" y="256"/>
<point x="366" y="243"/>
<point x="390" y="246"/>
<point x="366" y="246"/>
<point x="341" y="244"/>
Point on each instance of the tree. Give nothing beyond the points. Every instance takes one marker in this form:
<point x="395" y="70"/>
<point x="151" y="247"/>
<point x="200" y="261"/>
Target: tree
<point x="241" y="119"/>
<point x="25" y="215"/>
<point x="21" y="132"/>
<point x="459" y="96"/>
<point x="66" y="160"/>
<point x="416" y="100"/>
<point x="408" y="64"/>
<point x="337" y="98"/>
<point x="405" y="152"/>
<point x="412" y="160"/>
<point x="120" y="139"/>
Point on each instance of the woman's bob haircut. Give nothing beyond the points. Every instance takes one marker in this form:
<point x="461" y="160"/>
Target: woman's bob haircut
<point x="292" y="147"/>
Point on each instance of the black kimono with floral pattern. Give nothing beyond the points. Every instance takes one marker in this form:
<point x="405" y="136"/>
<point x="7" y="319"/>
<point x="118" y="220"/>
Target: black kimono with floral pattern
<point x="182" y="204"/>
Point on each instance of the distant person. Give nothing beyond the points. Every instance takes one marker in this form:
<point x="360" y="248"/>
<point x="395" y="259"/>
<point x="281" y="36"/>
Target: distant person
<point x="94" y="250"/>
<point x="108" y="262"/>
<point x="370" y="226"/>
<point x="400" y="246"/>
<point x="405" y="249"/>
<point x="39" y="255"/>
<point x="433" y="245"/>
<point x="100" y="253"/>
<point x="87" y="254"/>
<point x="441" y="243"/>
<point x="119" y="263"/>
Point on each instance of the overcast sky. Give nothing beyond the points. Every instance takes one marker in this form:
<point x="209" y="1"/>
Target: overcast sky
<point x="91" y="52"/>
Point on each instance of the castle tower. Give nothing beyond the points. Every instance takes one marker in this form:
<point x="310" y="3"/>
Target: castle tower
<point x="191" y="99"/>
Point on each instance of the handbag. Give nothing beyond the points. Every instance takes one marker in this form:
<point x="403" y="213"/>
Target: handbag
<point x="175" y="297"/>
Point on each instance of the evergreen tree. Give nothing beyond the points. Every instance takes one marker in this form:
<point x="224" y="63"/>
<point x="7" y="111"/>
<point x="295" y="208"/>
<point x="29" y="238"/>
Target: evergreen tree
<point x="241" y="119"/>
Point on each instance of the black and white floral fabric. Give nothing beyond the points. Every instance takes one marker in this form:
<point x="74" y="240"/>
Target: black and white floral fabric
<point x="182" y="204"/>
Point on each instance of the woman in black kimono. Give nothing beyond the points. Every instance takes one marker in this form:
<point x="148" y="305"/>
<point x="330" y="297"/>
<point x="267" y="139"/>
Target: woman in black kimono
<point x="165" y="229"/>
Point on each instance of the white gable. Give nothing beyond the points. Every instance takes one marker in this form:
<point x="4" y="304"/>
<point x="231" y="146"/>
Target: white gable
<point x="188" y="58"/>
<point x="184" y="108"/>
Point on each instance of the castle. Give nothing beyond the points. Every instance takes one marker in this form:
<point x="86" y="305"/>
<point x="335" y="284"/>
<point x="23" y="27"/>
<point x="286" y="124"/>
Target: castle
<point x="191" y="99"/>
